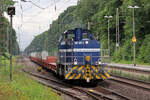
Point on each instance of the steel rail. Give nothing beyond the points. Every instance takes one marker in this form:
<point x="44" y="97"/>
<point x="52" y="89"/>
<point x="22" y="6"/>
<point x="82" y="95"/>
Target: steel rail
<point x="61" y="89"/>
<point x="52" y="86"/>
<point x="94" y="95"/>
<point x="117" y="78"/>
<point x="112" y="94"/>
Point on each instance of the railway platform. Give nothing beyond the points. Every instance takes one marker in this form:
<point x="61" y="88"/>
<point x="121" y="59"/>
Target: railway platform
<point x="130" y="66"/>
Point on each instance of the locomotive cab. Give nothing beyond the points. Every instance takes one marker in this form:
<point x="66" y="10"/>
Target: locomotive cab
<point x="79" y="56"/>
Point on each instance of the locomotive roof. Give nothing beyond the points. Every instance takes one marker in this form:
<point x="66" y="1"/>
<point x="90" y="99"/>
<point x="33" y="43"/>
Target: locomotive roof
<point x="73" y="31"/>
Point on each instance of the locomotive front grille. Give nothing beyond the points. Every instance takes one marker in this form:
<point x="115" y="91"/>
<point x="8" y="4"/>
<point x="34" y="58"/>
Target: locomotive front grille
<point x="87" y="75"/>
<point x="87" y="72"/>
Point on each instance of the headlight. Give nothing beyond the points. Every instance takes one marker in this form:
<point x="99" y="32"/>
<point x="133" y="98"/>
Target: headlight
<point x="86" y="42"/>
<point x="87" y="58"/>
<point x="75" y="62"/>
<point x="99" y="61"/>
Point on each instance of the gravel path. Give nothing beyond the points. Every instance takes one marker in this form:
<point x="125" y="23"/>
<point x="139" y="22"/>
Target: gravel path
<point x="132" y="92"/>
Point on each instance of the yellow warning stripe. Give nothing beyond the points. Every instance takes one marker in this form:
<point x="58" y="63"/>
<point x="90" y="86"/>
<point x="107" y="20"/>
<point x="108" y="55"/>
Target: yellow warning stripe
<point x="103" y="76"/>
<point x="94" y="68"/>
<point x="82" y="71"/>
<point x="75" y="67"/>
<point x="80" y="68"/>
<point x="71" y="77"/>
<point x="67" y="75"/>
<point x="78" y="76"/>
<point x="97" y="77"/>
<point x="107" y="74"/>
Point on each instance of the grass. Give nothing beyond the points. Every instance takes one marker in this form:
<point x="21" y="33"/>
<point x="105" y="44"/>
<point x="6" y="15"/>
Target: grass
<point x="23" y="87"/>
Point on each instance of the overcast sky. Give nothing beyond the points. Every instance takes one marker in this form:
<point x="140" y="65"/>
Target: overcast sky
<point x="30" y="20"/>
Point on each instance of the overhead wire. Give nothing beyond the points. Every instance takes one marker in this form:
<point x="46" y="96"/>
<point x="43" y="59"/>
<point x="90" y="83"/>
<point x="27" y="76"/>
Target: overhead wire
<point x="21" y="13"/>
<point x="59" y="9"/>
<point x="38" y="13"/>
<point x="55" y="5"/>
<point x="36" y="5"/>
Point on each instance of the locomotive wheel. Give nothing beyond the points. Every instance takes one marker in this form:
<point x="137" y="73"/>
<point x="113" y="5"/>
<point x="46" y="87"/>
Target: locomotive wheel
<point x="63" y="72"/>
<point x="94" y="83"/>
<point x="57" y="71"/>
<point x="60" y="71"/>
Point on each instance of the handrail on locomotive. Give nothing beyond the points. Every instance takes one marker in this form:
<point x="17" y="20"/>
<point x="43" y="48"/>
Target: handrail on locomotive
<point x="104" y="58"/>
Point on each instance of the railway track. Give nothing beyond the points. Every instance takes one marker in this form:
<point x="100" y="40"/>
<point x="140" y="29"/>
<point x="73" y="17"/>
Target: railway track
<point x="76" y="92"/>
<point x="59" y="86"/>
<point x="132" y="82"/>
<point x="108" y="94"/>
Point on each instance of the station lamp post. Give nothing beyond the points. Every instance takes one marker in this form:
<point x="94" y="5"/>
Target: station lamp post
<point x="134" y="37"/>
<point x="108" y="17"/>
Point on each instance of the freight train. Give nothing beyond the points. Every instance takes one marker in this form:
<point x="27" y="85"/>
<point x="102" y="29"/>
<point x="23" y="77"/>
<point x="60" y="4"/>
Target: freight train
<point x="78" y="58"/>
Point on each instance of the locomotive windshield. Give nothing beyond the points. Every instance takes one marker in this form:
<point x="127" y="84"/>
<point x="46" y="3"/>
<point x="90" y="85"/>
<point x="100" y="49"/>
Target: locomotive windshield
<point x="77" y="35"/>
<point x="88" y="35"/>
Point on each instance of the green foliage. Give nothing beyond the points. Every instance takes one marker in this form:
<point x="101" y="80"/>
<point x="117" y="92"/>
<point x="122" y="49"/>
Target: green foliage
<point x="94" y="11"/>
<point x="144" y="51"/>
<point x="23" y="87"/>
<point x="36" y="44"/>
<point x="5" y="30"/>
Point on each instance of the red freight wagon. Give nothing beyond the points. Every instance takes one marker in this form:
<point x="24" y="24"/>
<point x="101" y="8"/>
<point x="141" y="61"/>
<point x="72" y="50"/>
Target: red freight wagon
<point x="51" y="59"/>
<point x="49" y="63"/>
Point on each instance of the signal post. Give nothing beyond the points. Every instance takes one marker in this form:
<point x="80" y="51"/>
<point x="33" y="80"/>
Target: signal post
<point x="11" y="12"/>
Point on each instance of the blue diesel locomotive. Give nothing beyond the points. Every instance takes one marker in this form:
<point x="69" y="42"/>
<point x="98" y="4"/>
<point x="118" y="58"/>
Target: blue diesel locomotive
<point x="79" y="57"/>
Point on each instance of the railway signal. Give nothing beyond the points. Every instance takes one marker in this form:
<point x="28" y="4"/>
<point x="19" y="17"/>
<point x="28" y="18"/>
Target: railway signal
<point x="11" y="12"/>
